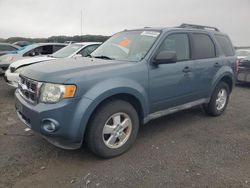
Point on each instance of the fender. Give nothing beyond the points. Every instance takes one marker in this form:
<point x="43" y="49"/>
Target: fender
<point x="222" y="72"/>
<point x="106" y="89"/>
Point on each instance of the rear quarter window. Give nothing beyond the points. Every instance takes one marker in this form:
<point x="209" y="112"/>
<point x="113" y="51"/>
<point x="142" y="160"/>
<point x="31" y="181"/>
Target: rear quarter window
<point x="226" y="45"/>
<point x="203" y="46"/>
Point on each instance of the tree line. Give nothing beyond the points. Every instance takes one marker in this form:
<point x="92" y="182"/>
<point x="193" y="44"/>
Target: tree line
<point x="60" y="39"/>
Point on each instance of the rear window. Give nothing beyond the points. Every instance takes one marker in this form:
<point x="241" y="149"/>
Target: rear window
<point x="203" y="46"/>
<point x="225" y="45"/>
<point x="7" y="48"/>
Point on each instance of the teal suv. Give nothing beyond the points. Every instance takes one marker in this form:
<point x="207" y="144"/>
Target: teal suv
<point x="134" y="77"/>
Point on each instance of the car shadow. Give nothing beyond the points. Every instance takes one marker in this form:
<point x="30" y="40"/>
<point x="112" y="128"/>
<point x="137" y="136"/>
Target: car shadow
<point x="243" y="85"/>
<point x="167" y="124"/>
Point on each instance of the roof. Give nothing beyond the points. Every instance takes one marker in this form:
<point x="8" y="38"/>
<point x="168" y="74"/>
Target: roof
<point x="186" y="27"/>
<point x="50" y="43"/>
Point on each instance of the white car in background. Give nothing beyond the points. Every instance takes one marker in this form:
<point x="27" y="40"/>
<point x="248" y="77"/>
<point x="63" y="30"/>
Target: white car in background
<point x="242" y="53"/>
<point x="71" y="51"/>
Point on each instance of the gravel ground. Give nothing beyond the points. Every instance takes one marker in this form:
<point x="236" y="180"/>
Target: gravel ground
<point x="187" y="149"/>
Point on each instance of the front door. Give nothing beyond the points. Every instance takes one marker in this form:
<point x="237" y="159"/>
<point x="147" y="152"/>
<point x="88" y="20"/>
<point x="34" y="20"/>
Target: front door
<point x="171" y="84"/>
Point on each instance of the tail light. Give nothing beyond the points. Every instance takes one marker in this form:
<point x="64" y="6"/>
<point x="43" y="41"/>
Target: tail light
<point x="237" y="65"/>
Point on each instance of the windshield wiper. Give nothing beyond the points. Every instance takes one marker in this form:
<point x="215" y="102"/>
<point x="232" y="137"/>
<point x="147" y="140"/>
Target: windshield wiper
<point x="103" y="57"/>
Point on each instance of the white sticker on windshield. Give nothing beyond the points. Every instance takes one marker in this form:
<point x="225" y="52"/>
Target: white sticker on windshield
<point x="150" y="33"/>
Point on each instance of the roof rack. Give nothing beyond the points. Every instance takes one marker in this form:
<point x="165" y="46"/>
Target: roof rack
<point x="184" y="25"/>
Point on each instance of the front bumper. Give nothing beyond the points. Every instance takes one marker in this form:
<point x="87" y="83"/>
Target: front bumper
<point x="243" y="75"/>
<point x="69" y="134"/>
<point x="11" y="79"/>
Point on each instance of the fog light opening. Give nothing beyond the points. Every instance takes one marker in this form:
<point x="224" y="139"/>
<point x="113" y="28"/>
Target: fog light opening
<point x="49" y="126"/>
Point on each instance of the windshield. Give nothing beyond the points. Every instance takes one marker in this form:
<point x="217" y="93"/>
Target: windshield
<point x="67" y="51"/>
<point x="27" y="48"/>
<point x="243" y="52"/>
<point x="127" y="46"/>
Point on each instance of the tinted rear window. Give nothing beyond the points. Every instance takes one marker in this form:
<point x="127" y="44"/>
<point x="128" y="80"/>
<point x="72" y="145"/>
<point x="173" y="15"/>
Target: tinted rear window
<point x="225" y="45"/>
<point x="203" y="46"/>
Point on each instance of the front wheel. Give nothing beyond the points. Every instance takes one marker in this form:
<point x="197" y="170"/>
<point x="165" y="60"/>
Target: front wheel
<point x="112" y="129"/>
<point x="219" y="100"/>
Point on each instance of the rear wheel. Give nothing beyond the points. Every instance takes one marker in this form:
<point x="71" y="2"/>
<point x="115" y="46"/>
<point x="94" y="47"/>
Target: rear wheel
<point x="112" y="129"/>
<point x="219" y="100"/>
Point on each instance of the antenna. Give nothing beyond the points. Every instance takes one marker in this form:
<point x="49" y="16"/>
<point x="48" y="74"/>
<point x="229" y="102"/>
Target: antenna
<point x="81" y="25"/>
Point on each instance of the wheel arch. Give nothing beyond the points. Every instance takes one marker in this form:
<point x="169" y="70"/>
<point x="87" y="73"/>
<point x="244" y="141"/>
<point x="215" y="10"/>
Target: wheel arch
<point x="227" y="76"/>
<point x="134" y="97"/>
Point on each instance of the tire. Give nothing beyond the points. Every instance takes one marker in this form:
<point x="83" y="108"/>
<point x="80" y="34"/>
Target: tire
<point x="104" y="127"/>
<point x="214" y="108"/>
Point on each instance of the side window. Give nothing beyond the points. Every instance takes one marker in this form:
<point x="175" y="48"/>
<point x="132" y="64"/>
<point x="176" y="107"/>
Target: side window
<point x="41" y="50"/>
<point x="57" y="47"/>
<point x="88" y="50"/>
<point x="34" y="52"/>
<point x="225" y="44"/>
<point x="46" y="50"/>
<point x="179" y="43"/>
<point x="203" y="46"/>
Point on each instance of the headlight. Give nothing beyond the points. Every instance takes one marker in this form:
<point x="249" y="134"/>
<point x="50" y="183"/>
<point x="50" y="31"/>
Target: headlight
<point x="53" y="93"/>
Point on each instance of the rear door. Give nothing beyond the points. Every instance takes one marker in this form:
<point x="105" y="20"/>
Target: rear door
<point x="172" y="84"/>
<point x="206" y="62"/>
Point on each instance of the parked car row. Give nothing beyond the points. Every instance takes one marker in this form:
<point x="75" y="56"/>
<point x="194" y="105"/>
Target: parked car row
<point x="71" y="51"/>
<point x="29" y="51"/>
<point x="132" y="78"/>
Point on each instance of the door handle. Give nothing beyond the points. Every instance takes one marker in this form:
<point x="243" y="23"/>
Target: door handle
<point x="186" y="70"/>
<point x="217" y="64"/>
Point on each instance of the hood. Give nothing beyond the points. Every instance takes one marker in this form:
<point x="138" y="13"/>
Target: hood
<point x="29" y="61"/>
<point x="62" y="70"/>
<point x="10" y="58"/>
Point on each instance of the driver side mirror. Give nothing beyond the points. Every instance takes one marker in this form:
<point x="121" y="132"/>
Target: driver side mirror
<point x="165" y="57"/>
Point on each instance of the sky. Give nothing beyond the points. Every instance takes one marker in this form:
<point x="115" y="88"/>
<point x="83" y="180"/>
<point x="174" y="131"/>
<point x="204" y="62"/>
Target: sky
<point x="44" y="18"/>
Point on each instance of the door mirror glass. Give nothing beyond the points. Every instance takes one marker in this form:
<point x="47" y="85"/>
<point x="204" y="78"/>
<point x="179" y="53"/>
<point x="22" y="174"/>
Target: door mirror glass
<point x="165" y="57"/>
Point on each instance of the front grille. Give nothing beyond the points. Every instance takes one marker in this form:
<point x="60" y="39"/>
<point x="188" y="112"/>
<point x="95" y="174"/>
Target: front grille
<point x="29" y="89"/>
<point x="12" y="69"/>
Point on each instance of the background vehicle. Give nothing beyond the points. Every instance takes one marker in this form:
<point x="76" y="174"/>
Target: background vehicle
<point x="242" y="53"/>
<point x="22" y="43"/>
<point x="70" y="42"/>
<point x="29" y="51"/>
<point x="132" y="78"/>
<point x="70" y="51"/>
<point x="244" y="70"/>
<point x="6" y="48"/>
